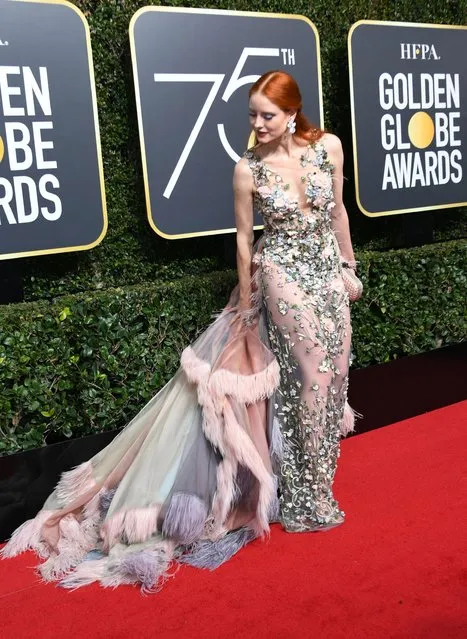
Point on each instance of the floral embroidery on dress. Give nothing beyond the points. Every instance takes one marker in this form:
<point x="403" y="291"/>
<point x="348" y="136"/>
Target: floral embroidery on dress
<point x="309" y="333"/>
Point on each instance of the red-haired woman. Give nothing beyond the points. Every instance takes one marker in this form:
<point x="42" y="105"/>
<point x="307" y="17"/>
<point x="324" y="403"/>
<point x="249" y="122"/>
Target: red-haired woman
<point x="247" y="431"/>
<point x="293" y="177"/>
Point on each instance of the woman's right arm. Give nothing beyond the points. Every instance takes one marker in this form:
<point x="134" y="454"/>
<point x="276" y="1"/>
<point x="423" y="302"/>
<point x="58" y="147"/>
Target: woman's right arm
<point x="243" y="200"/>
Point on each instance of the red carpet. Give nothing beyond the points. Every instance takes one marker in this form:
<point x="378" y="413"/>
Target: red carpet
<point x="396" y="569"/>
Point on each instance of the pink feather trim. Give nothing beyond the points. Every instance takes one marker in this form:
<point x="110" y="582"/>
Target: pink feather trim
<point x="223" y="430"/>
<point x="348" y="421"/>
<point x="248" y="389"/>
<point x="136" y="525"/>
<point x="75" y="483"/>
<point x="28" y="536"/>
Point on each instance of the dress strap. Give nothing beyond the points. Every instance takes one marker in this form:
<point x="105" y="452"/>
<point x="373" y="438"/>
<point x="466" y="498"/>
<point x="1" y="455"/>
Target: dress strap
<point x="260" y="175"/>
<point x="322" y="158"/>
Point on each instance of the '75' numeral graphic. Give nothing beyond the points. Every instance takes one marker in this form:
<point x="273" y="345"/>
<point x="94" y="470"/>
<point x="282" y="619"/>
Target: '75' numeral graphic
<point x="216" y="79"/>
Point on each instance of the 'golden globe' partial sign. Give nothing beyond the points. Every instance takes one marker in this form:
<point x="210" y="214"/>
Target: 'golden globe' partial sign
<point x="409" y="93"/>
<point x="51" y="180"/>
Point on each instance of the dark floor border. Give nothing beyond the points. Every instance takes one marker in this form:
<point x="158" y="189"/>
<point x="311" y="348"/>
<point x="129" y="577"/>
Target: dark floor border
<point x="384" y="394"/>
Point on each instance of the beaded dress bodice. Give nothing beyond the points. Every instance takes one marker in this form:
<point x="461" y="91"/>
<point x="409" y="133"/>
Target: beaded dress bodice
<point x="297" y="227"/>
<point x="286" y="213"/>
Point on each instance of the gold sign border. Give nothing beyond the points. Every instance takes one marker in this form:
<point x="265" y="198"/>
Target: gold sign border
<point x="353" y="28"/>
<point x="250" y="14"/>
<point x="69" y="249"/>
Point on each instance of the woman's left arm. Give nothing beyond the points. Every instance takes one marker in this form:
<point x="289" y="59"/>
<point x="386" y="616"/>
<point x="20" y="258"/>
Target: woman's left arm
<point x="339" y="217"/>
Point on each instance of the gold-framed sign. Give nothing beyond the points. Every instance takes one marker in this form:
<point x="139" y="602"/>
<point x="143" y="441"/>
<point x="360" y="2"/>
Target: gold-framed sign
<point x="408" y="87"/>
<point x="192" y="70"/>
<point x="52" y="196"/>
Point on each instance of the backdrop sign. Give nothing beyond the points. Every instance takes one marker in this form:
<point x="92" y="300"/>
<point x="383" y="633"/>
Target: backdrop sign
<point x="51" y="181"/>
<point x="192" y="71"/>
<point x="409" y="90"/>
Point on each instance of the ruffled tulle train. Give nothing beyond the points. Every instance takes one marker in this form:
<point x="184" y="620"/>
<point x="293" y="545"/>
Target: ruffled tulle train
<point x="191" y="479"/>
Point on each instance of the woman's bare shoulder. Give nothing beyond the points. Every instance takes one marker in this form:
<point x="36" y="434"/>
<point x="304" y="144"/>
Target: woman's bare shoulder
<point x="332" y="144"/>
<point x="242" y="167"/>
<point x="242" y="175"/>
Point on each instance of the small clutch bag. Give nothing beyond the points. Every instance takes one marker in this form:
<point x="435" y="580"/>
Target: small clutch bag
<point x="352" y="284"/>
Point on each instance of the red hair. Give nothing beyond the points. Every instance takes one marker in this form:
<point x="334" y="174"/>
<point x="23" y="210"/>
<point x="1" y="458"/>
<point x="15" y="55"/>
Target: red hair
<point x="282" y="90"/>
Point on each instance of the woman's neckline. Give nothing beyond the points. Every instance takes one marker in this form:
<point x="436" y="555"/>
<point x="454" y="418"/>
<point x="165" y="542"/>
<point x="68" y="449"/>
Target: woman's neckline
<point x="303" y="162"/>
<point x="306" y="149"/>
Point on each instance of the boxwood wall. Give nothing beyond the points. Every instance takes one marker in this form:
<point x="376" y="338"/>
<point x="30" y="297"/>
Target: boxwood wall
<point x="85" y="363"/>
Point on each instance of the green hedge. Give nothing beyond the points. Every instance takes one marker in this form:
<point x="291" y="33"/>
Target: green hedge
<point x="131" y="252"/>
<point x="86" y="363"/>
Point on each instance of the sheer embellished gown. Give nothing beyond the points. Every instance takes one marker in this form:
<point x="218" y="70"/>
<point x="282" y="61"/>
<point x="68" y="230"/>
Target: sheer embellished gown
<point x="246" y="432"/>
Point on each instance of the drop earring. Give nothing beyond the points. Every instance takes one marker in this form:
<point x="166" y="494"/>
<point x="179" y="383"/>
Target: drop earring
<point x="291" y="125"/>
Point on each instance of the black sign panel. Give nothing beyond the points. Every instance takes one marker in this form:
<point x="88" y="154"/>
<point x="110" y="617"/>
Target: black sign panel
<point x="192" y="71"/>
<point x="409" y="97"/>
<point x="51" y="181"/>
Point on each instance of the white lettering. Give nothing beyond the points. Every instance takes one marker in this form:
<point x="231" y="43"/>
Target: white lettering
<point x="389" y="178"/>
<point x="385" y="93"/>
<point x="5" y="201"/>
<point x="431" y="162"/>
<point x="21" y="145"/>
<point x="417" y="175"/>
<point x="440" y="90"/>
<point x="453" y="128"/>
<point x="33" y="90"/>
<point x="388" y="139"/>
<point x="456" y="177"/>
<point x="403" y="169"/>
<point x="6" y="91"/>
<point x="41" y="145"/>
<point x="25" y="216"/>
<point x="407" y="170"/>
<point x="52" y="197"/>
<point x="441" y="130"/>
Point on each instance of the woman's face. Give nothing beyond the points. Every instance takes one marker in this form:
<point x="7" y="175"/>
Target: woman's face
<point x="267" y="120"/>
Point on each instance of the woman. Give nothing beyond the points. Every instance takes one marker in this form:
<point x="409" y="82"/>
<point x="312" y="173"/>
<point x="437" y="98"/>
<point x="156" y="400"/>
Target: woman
<point x="294" y="177"/>
<point x="258" y="405"/>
